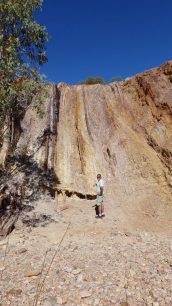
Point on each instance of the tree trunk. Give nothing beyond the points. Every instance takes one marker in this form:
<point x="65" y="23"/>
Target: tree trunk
<point x="5" y="144"/>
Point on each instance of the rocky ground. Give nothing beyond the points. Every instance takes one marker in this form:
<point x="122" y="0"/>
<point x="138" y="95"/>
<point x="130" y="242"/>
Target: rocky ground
<point x="67" y="257"/>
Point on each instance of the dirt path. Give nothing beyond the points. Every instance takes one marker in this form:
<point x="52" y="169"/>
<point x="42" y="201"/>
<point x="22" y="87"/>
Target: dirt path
<point x="123" y="259"/>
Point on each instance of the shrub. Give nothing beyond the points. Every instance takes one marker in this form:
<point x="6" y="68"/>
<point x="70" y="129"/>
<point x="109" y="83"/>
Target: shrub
<point x="92" y="80"/>
<point x="116" y="79"/>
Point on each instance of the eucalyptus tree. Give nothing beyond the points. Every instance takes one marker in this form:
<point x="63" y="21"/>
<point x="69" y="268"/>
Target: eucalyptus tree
<point x="22" y="51"/>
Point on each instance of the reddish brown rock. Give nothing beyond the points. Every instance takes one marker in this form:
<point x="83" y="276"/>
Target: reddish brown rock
<point x="122" y="130"/>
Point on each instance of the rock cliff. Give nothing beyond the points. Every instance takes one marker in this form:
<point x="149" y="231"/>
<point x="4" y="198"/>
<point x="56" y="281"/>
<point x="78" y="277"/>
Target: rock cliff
<point x="60" y="254"/>
<point x="122" y="130"/>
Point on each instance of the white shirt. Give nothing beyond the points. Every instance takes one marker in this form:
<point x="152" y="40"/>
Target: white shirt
<point x="99" y="184"/>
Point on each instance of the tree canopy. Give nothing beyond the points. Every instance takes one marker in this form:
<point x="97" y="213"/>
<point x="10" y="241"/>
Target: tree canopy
<point x="116" y="79"/>
<point x="92" y="80"/>
<point x="22" y="50"/>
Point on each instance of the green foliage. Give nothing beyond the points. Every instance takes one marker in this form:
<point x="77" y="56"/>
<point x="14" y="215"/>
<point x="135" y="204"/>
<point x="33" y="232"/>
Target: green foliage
<point x="22" y="50"/>
<point x="116" y="79"/>
<point x="93" y="80"/>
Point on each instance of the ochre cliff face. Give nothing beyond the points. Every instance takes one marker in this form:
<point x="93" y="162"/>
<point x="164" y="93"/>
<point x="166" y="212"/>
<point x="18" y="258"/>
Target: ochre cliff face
<point x="122" y="130"/>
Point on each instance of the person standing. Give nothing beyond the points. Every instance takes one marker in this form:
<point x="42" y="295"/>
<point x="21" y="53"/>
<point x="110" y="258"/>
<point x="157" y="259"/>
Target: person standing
<point x="100" y="196"/>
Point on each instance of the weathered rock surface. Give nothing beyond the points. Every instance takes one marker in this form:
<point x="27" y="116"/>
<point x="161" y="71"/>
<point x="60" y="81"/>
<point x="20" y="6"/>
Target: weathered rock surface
<point x="122" y="130"/>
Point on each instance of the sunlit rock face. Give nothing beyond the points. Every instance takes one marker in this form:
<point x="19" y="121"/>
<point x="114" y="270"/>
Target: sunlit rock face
<point x="122" y="130"/>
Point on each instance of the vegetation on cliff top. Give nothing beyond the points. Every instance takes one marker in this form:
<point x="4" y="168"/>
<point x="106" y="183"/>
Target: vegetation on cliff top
<point x="116" y="79"/>
<point x="92" y="80"/>
<point x="22" y="51"/>
<point x="98" y="80"/>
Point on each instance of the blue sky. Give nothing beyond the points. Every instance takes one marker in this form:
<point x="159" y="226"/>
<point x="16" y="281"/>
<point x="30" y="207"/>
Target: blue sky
<point x="105" y="38"/>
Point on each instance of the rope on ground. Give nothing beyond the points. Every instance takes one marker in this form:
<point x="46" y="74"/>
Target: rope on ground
<point x="39" y="290"/>
<point x="39" y="279"/>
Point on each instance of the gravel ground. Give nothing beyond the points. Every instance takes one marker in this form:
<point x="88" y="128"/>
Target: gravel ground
<point x="98" y="262"/>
